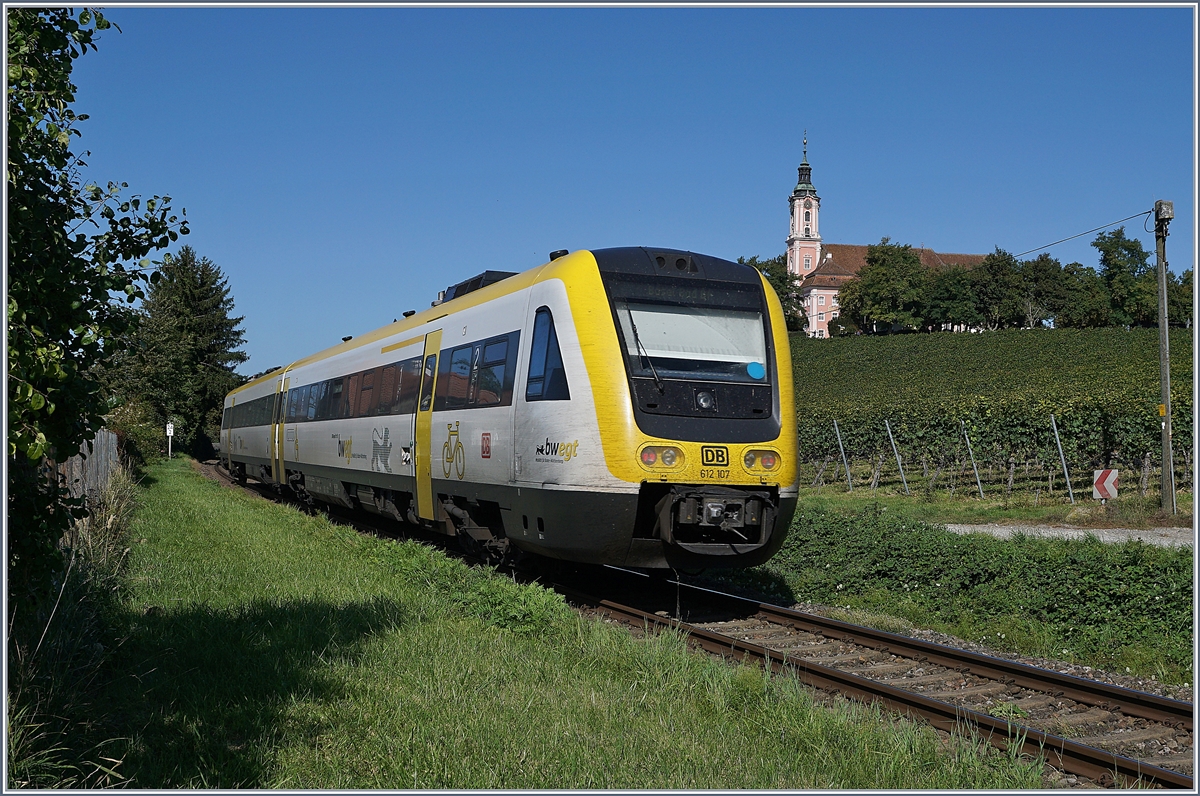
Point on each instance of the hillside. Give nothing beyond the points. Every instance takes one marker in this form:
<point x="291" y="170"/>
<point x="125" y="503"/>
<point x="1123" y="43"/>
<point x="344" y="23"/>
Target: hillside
<point x="889" y="370"/>
<point x="1102" y="386"/>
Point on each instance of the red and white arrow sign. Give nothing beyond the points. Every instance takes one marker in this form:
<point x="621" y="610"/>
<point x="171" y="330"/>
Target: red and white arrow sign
<point x="1104" y="484"/>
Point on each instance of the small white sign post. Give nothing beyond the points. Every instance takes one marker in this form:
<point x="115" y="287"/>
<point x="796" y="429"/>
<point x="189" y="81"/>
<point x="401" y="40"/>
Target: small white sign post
<point x="170" y="433"/>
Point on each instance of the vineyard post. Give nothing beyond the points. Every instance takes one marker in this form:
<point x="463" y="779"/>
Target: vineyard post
<point x="903" y="480"/>
<point x="1063" y="459"/>
<point x="975" y="469"/>
<point x="843" y="450"/>
<point x="1163" y="213"/>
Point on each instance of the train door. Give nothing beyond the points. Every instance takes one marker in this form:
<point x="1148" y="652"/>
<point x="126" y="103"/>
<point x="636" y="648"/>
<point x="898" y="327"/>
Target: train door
<point x="278" y="416"/>
<point x="423" y="426"/>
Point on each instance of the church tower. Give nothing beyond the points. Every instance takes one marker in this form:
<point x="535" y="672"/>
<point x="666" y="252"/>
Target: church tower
<point x="804" y="238"/>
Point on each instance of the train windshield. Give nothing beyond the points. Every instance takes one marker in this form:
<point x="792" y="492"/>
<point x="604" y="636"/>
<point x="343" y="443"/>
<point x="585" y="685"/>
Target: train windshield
<point x="693" y="342"/>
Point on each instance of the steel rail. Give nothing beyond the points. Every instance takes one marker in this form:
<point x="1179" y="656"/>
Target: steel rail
<point x="1097" y="764"/>
<point x="1089" y="692"/>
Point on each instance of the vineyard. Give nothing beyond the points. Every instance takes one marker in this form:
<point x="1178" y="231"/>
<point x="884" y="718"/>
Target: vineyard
<point x="1000" y="388"/>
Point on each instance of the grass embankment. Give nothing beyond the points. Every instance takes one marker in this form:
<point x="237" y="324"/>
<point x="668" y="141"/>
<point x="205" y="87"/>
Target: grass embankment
<point x="266" y="648"/>
<point x="1021" y="507"/>
<point x="1123" y="607"/>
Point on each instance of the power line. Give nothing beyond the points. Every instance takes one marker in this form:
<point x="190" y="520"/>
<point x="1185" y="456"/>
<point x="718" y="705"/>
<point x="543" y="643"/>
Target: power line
<point x="1081" y="234"/>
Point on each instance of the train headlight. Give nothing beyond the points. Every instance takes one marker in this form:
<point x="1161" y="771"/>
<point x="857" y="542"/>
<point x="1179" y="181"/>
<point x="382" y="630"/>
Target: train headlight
<point x="661" y="457"/>
<point x="705" y="401"/>
<point x="760" y="460"/>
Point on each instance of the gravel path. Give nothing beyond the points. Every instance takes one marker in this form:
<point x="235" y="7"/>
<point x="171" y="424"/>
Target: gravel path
<point x="1166" y="537"/>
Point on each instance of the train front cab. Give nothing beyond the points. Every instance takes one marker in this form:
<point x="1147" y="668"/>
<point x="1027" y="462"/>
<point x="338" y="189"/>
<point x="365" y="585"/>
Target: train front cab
<point x="690" y="374"/>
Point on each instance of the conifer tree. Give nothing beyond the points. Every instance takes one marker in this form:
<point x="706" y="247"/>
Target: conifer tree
<point x="182" y="359"/>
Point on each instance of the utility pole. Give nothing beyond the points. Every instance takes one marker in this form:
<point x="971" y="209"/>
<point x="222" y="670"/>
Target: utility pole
<point x="1163" y="213"/>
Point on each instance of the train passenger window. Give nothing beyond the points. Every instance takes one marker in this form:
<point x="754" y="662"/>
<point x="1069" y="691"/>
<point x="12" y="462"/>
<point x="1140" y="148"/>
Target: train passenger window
<point x="316" y="392"/>
<point x="410" y="385"/>
<point x="301" y="404"/>
<point x="547" y="377"/>
<point x="366" y="395"/>
<point x="330" y="406"/>
<point x="489" y="382"/>
<point x="352" y="395"/>
<point x="453" y="379"/>
<point x="295" y="400"/>
<point x="226" y="417"/>
<point x="387" y="389"/>
<point x="427" y="382"/>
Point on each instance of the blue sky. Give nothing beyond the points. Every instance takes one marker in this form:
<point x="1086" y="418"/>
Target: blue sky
<point x="342" y="165"/>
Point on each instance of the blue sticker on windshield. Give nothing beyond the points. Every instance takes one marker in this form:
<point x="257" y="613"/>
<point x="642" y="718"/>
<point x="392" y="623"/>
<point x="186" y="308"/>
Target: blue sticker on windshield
<point x="756" y="370"/>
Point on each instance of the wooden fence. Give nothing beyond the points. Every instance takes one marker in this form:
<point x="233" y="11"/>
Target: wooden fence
<point x="87" y="472"/>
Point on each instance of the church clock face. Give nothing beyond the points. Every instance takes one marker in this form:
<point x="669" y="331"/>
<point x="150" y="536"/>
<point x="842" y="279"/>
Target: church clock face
<point x="808" y="204"/>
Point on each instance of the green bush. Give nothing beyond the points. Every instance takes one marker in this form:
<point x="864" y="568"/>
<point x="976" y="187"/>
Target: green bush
<point x="141" y="431"/>
<point x="1112" y="605"/>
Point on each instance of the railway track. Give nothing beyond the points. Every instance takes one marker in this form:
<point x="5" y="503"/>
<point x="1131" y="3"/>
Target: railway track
<point x="1107" y="734"/>
<point x="1110" y="735"/>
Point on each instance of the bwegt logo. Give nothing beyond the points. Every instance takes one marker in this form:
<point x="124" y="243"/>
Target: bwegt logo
<point x="565" y="450"/>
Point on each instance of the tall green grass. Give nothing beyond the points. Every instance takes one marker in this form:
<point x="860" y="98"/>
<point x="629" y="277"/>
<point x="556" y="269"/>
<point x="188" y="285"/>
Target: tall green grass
<point x="57" y="650"/>
<point x="265" y="648"/>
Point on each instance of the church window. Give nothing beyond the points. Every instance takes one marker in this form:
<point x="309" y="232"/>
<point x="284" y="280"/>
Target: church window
<point x="807" y="216"/>
<point x="820" y="316"/>
<point x="807" y="262"/>
<point x="821" y="300"/>
<point x="807" y="232"/>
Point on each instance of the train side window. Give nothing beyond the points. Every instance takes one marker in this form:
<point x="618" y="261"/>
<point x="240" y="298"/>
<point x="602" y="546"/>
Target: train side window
<point x="410" y="385"/>
<point x="387" y="389"/>
<point x="454" y="379"/>
<point x="293" y="397"/>
<point x="331" y="405"/>
<point x="366" y="394"/>
<point x="316" y="392"/>
<point x="430" y="370"/>
<point x="489" y="383"/>
<point x="226" y="418"/>
<point x="547" y="378"/>
<point x="352" y="395"/>
<point x="302" y="404"/>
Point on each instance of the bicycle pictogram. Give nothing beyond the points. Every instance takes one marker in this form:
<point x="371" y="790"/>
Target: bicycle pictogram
<point x="453" y="452"/>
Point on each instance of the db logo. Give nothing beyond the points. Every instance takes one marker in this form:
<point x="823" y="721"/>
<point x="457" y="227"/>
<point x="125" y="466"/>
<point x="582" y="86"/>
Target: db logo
<point x="485" y="445"/>
<point x="714" y="456"/>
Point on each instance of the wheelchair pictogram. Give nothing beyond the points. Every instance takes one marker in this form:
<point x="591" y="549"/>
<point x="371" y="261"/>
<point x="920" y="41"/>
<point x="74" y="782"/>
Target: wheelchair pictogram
<point x="453" y="452"/>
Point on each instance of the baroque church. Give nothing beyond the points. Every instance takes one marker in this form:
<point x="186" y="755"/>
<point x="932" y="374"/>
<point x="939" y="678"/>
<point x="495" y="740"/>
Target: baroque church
<point x="822" y="268"/>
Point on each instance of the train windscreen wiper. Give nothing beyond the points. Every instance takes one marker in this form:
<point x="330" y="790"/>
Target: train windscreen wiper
<point x="637" y="341"/>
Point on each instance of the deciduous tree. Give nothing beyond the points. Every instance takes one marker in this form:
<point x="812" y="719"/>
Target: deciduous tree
<point x="71" y="248"/>
<point x="785" y="285"/>
<point x="997" y="284"/>
<point x="891" y="290"/>
<point x="1087" y="304"/>
<point x="1130" y="278"/>
<point x="951" y="299"/>
<point x="1043" y="292"/>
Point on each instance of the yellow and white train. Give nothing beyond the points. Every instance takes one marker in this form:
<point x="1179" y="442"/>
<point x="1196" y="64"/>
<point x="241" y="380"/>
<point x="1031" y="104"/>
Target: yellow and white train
<point x="628" y="406"/>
